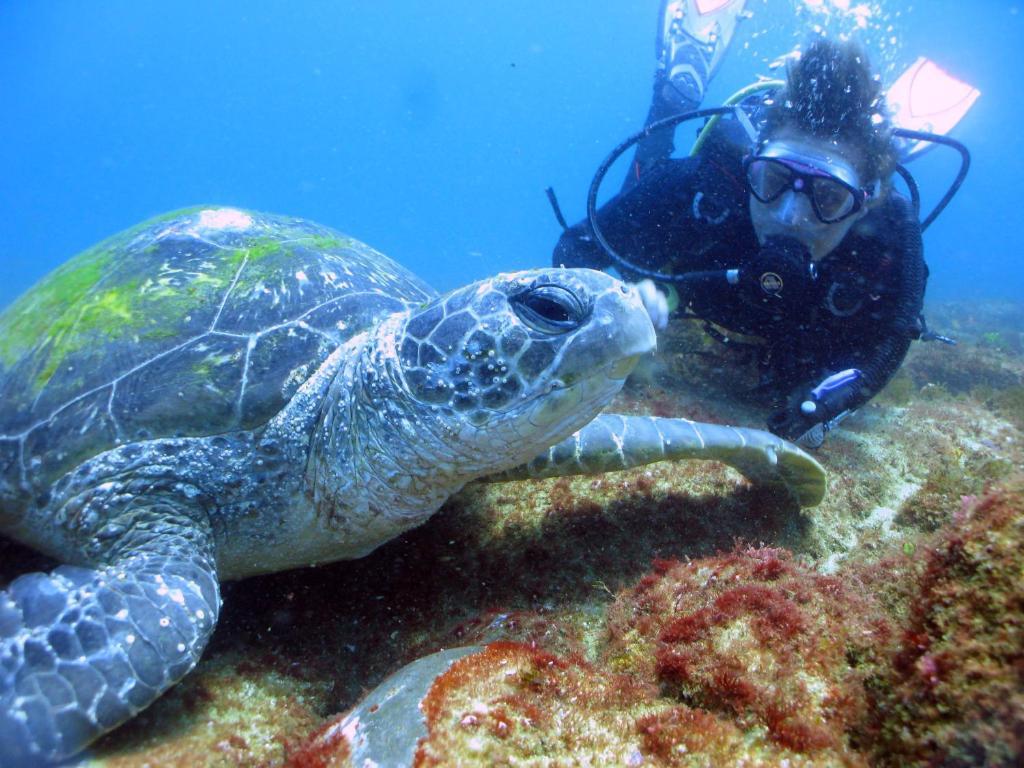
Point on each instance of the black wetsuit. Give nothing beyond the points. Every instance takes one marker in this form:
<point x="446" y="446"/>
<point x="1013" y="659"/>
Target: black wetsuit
<point x="862" y="310"/>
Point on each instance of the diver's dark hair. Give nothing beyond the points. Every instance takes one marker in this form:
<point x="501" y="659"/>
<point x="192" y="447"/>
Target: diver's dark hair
<point x="830" y="93"/>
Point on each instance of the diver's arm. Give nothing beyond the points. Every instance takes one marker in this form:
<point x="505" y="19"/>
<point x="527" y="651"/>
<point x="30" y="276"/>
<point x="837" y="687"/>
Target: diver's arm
<point x="876" y="370"/>
<point x="889" y="349"/>
<point x="886" y="344"/>
<point x="642" y="224"/>
<point x="824" y="403"/>
<point x="817" y="406"/>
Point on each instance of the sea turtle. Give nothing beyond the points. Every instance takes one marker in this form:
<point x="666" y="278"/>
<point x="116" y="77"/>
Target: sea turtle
<point x="218" y="393"/>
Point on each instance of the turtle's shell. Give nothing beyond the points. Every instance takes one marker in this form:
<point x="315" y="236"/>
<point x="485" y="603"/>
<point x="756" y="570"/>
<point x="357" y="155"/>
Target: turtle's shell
<point x="195" y="323"/>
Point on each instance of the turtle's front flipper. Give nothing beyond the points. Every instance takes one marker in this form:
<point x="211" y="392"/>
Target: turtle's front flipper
<point x="611" y="442"/>
<point x="84" y="649"/>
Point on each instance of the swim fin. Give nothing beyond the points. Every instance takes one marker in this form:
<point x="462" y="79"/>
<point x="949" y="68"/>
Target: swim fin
<point x="927" y="98"/>
<point x="693" y="36"/>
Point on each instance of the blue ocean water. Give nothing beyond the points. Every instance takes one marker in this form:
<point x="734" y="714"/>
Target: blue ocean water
<point x="428" y="130"/>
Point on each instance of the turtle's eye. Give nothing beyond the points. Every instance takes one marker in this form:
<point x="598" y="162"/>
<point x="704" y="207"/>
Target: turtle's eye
<point x="549" y="308"/>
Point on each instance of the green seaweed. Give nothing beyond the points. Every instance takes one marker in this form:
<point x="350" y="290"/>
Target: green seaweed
<point x="992" y="339"/>
<point x="103" y="314"/>
<point x="328" y="242"/>
<point x="1009" y="403"/>
<point x="261" y="248"/>
<point x="49" y="309"/>
<point x="73" y="309"/>
<point x="899" y="391"/>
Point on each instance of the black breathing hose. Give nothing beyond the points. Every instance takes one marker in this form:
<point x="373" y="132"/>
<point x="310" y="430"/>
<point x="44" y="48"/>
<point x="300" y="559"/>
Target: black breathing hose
<point x="915" y="193"/>
<point x="965" y="165"/>
<point x="595" y="185"/>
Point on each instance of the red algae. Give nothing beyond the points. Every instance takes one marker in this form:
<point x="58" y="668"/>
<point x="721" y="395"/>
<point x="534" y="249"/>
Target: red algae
<point x="511" y="702"/>
<point x="750" y="658"/>
<point x="680" y="735"/>
<point x="759" y="640"/>
<point x="464" y="670"/>
<point x="326" y="748"/>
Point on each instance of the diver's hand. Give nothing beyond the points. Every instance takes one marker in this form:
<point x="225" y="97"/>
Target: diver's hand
<point x="795" y="425"/>
<point x="655" y="302"/>
<point x="810" y="413"/>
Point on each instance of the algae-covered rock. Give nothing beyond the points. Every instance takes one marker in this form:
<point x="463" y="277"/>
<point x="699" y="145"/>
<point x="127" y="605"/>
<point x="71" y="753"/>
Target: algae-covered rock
<point x="744" y="658"/>
<point x="510" y="704"/>
<point x="954" y="693"/>
<point x="769" y="644"/>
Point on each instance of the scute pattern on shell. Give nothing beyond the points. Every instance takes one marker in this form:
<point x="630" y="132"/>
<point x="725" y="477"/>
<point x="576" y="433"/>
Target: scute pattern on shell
<point x="192" y="324"/>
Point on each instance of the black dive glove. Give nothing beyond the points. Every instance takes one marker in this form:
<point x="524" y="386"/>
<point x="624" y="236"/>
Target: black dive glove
<point x="809" y="414"/>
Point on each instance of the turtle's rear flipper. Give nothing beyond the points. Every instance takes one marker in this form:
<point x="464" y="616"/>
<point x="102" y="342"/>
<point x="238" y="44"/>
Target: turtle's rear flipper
<point x="84" y="649"/>
<point x="612" y="442"/>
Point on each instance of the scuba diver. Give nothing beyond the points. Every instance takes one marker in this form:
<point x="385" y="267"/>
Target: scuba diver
<point x="783" y="226"/>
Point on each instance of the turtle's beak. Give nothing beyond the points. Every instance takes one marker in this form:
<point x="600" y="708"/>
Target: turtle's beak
<point x="624" y="367"/>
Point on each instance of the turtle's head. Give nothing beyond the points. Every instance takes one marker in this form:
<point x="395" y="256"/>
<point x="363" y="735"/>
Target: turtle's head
<point x="521" y="360"/>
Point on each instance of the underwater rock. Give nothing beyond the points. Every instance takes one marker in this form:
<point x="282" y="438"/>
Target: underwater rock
<point x="499" y="705"/>
<point x="750" y="658"/>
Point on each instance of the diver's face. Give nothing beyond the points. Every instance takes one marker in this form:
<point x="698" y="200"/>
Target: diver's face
<point x="791" y="213"/>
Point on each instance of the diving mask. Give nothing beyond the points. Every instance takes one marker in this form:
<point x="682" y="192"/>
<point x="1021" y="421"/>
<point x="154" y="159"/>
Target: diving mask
<point x="831" y="187"/>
